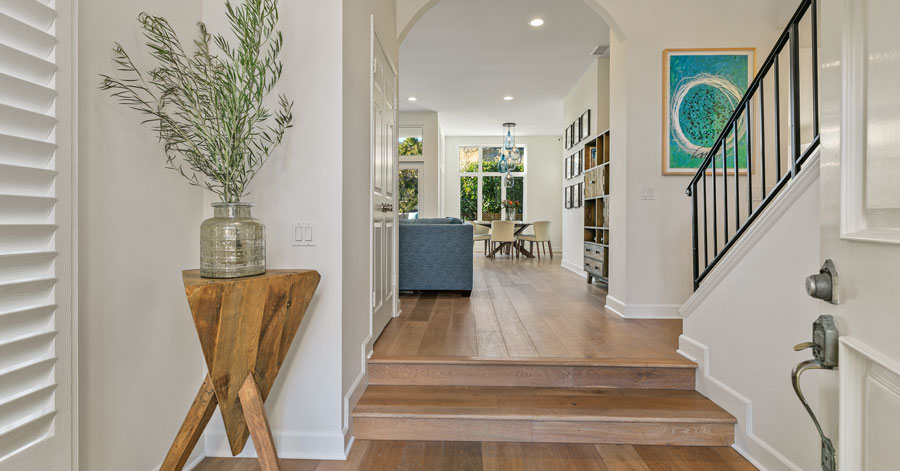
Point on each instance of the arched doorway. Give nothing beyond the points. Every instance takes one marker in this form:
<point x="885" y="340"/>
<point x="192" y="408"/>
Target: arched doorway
<point x="410" y="11"/>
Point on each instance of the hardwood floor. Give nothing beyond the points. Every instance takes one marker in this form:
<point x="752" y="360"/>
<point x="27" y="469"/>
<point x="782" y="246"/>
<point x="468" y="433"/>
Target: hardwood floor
<point x="494" y="456"/>
<point x="532" y="373"/>
<point x="524" y="308"/>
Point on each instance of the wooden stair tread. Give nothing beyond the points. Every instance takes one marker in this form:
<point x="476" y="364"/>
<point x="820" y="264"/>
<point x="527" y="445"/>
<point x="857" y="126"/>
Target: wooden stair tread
<point x="540" y="404"/>
<point x="536" y="361"/>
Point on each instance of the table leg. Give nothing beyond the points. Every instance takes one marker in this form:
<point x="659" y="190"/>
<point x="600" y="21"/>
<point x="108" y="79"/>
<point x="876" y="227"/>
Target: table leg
<point x="526" y="252"/>
<point x="197" y="417"/>
<point x="258" y="423"/>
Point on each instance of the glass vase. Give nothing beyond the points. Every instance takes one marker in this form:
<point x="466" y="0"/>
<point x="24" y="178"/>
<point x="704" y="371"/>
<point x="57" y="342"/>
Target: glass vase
<point x="232" y="243"/>
<point x="510" y="214"/>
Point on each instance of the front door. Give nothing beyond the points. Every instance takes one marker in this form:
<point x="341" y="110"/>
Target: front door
<point x="384" y="171"/>
<point x="860" y="223"/>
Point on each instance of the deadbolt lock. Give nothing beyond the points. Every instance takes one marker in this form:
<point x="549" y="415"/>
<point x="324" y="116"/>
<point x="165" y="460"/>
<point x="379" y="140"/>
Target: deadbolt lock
<point x="824" y="284"/>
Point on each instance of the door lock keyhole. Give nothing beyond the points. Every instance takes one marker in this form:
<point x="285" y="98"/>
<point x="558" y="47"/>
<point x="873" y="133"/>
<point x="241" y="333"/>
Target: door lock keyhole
<point x="824" y="284"/>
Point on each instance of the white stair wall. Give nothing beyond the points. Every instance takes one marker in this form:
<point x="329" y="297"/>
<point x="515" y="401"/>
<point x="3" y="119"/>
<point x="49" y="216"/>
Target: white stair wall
<point x="742" y="323"/>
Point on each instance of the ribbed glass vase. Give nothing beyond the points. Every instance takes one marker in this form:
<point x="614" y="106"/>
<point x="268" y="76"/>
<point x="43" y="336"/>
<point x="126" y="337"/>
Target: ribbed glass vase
<point x="232" y="243"/>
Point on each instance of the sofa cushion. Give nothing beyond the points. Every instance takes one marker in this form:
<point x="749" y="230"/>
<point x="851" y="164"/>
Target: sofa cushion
<point x="431" y="221"/>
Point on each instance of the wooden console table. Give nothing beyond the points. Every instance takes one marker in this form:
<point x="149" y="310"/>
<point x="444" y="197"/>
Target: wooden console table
<point x="246" y="326"/>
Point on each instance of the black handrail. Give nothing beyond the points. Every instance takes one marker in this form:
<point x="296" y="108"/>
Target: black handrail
<point x="790" y="38"/>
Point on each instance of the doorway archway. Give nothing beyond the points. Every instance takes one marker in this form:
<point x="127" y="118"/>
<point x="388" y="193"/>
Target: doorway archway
<point x="409" y="12"/>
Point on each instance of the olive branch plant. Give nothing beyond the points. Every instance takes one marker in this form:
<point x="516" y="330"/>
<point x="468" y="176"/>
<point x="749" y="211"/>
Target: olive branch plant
<point x="208" y="108"/>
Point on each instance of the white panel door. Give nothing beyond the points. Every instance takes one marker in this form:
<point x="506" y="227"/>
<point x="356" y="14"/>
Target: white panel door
<point x="384" y="181"/>
<point x="36" y="271"/>
<point x="860" y="222"/>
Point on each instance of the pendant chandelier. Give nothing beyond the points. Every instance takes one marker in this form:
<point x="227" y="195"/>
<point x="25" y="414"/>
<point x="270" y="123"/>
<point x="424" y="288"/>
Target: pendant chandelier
<point x="509" y="154"/>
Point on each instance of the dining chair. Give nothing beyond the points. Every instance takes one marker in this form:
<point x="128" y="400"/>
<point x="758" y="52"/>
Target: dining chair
<point x="541" y="236"/>
<point x="482" y="232"/>
<point x="504" y="234"/>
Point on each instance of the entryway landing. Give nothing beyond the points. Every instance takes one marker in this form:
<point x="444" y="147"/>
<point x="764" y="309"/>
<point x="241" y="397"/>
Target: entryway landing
<point x="525" y="311"/>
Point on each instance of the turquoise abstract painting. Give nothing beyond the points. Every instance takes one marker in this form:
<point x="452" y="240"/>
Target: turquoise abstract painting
<point x="702" y="89"/>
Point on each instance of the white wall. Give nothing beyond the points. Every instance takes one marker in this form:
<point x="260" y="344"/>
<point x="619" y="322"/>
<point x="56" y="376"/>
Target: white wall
<point x="431" y="146"/>
<point x="543" y="198"/>
<point x="743" y="322"/>
<point x="304" y="179"/>
<point x="591" y="92"/>
<point x="650" y="275"/>
<point x="140" y="363"/>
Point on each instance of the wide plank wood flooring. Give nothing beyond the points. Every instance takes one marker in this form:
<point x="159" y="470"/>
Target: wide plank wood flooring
<point x="493" y="456"/>
<point x="524" y="308"/>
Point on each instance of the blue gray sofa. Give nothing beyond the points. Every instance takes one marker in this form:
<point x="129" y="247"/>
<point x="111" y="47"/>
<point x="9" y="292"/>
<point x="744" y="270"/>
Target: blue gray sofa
<point x="436" y="254"/>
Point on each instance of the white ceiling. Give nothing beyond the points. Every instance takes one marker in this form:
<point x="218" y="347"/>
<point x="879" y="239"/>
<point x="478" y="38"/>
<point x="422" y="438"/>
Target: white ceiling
<point x="464" y="56"/>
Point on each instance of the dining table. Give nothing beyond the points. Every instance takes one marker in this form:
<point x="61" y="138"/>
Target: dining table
<point x="520" y="228"/>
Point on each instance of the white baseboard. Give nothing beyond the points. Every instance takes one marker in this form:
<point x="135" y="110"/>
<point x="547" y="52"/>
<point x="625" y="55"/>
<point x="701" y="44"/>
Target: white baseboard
<point x="320" y="445"/>
<point x="642" y="311"/>
<point x="768" y="218"/>
<point x="196" y="457"/>
<point x="351" y="399"/>
<point x="756" y="450"/>
<point x="576" y="269"/>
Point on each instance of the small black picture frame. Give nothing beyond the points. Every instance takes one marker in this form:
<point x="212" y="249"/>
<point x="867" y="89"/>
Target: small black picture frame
<point x="566" y="168"/>
<point x="568" y="192"/>
<point x="580" y="128"/>
<point x="566" y="137"/>
<point x="579" y="191"/>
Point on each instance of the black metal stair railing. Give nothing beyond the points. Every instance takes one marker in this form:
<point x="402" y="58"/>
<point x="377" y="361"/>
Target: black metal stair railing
<point x="754" y="128"/>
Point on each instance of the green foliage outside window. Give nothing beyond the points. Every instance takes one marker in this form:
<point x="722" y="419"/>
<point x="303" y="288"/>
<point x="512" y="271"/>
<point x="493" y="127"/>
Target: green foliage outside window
<point x="411" y="146"/>
<point x="468" y="159"/>
<point x="409" y="190"/>
<point x="491" y="198"/>
<point x="468" y="198"/>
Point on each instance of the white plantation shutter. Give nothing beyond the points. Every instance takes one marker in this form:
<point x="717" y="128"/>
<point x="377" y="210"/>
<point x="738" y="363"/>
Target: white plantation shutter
<point x="35" y="236"/>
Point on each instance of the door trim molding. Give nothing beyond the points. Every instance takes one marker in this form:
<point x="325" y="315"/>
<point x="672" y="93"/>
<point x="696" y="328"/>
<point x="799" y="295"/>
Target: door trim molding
<point x="857" y="360"/>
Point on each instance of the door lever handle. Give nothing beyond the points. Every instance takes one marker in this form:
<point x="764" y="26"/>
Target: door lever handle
<point x="825" y="353"/>
<point x="828" y="452"/>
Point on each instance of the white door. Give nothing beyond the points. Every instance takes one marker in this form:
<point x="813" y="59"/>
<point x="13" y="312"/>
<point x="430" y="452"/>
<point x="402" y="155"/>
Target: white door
<point x="36" y="241"/>
<point x="410" y="194"/>
<point x="860" y="223"/>
<point x="384" y="171"/>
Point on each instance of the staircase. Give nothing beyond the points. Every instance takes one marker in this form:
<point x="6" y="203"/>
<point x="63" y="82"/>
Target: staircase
<point x="772" y="132"/>
<point x="636" y="402"/>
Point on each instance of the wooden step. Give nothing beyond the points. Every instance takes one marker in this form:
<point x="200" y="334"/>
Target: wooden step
<point x="556" y="415"/>
<point x="532" y="372"/>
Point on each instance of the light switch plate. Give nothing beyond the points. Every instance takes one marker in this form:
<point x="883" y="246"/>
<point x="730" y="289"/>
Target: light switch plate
<point x="304" y="234"/>
<point x="647" y="194"/>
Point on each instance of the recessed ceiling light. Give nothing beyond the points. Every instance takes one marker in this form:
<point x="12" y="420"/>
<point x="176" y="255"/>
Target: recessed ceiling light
<point x="508" y="98"/>
<point x="412" y="98"/>
<point x="537" y="22"/>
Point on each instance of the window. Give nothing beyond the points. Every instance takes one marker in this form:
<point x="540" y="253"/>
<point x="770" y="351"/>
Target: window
<point x="410" y="185"/>
<point x="410" y="141"/>
<point x="481" y="188"/>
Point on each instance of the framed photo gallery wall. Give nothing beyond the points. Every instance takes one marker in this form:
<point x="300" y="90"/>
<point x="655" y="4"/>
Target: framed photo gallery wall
<point x="574" y="195"/>
<point x="578" y="131"/>
<point x="573" y="165"/>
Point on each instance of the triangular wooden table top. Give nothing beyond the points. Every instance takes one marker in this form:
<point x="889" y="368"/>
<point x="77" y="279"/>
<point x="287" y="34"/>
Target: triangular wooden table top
<point x="246" y="326"/>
